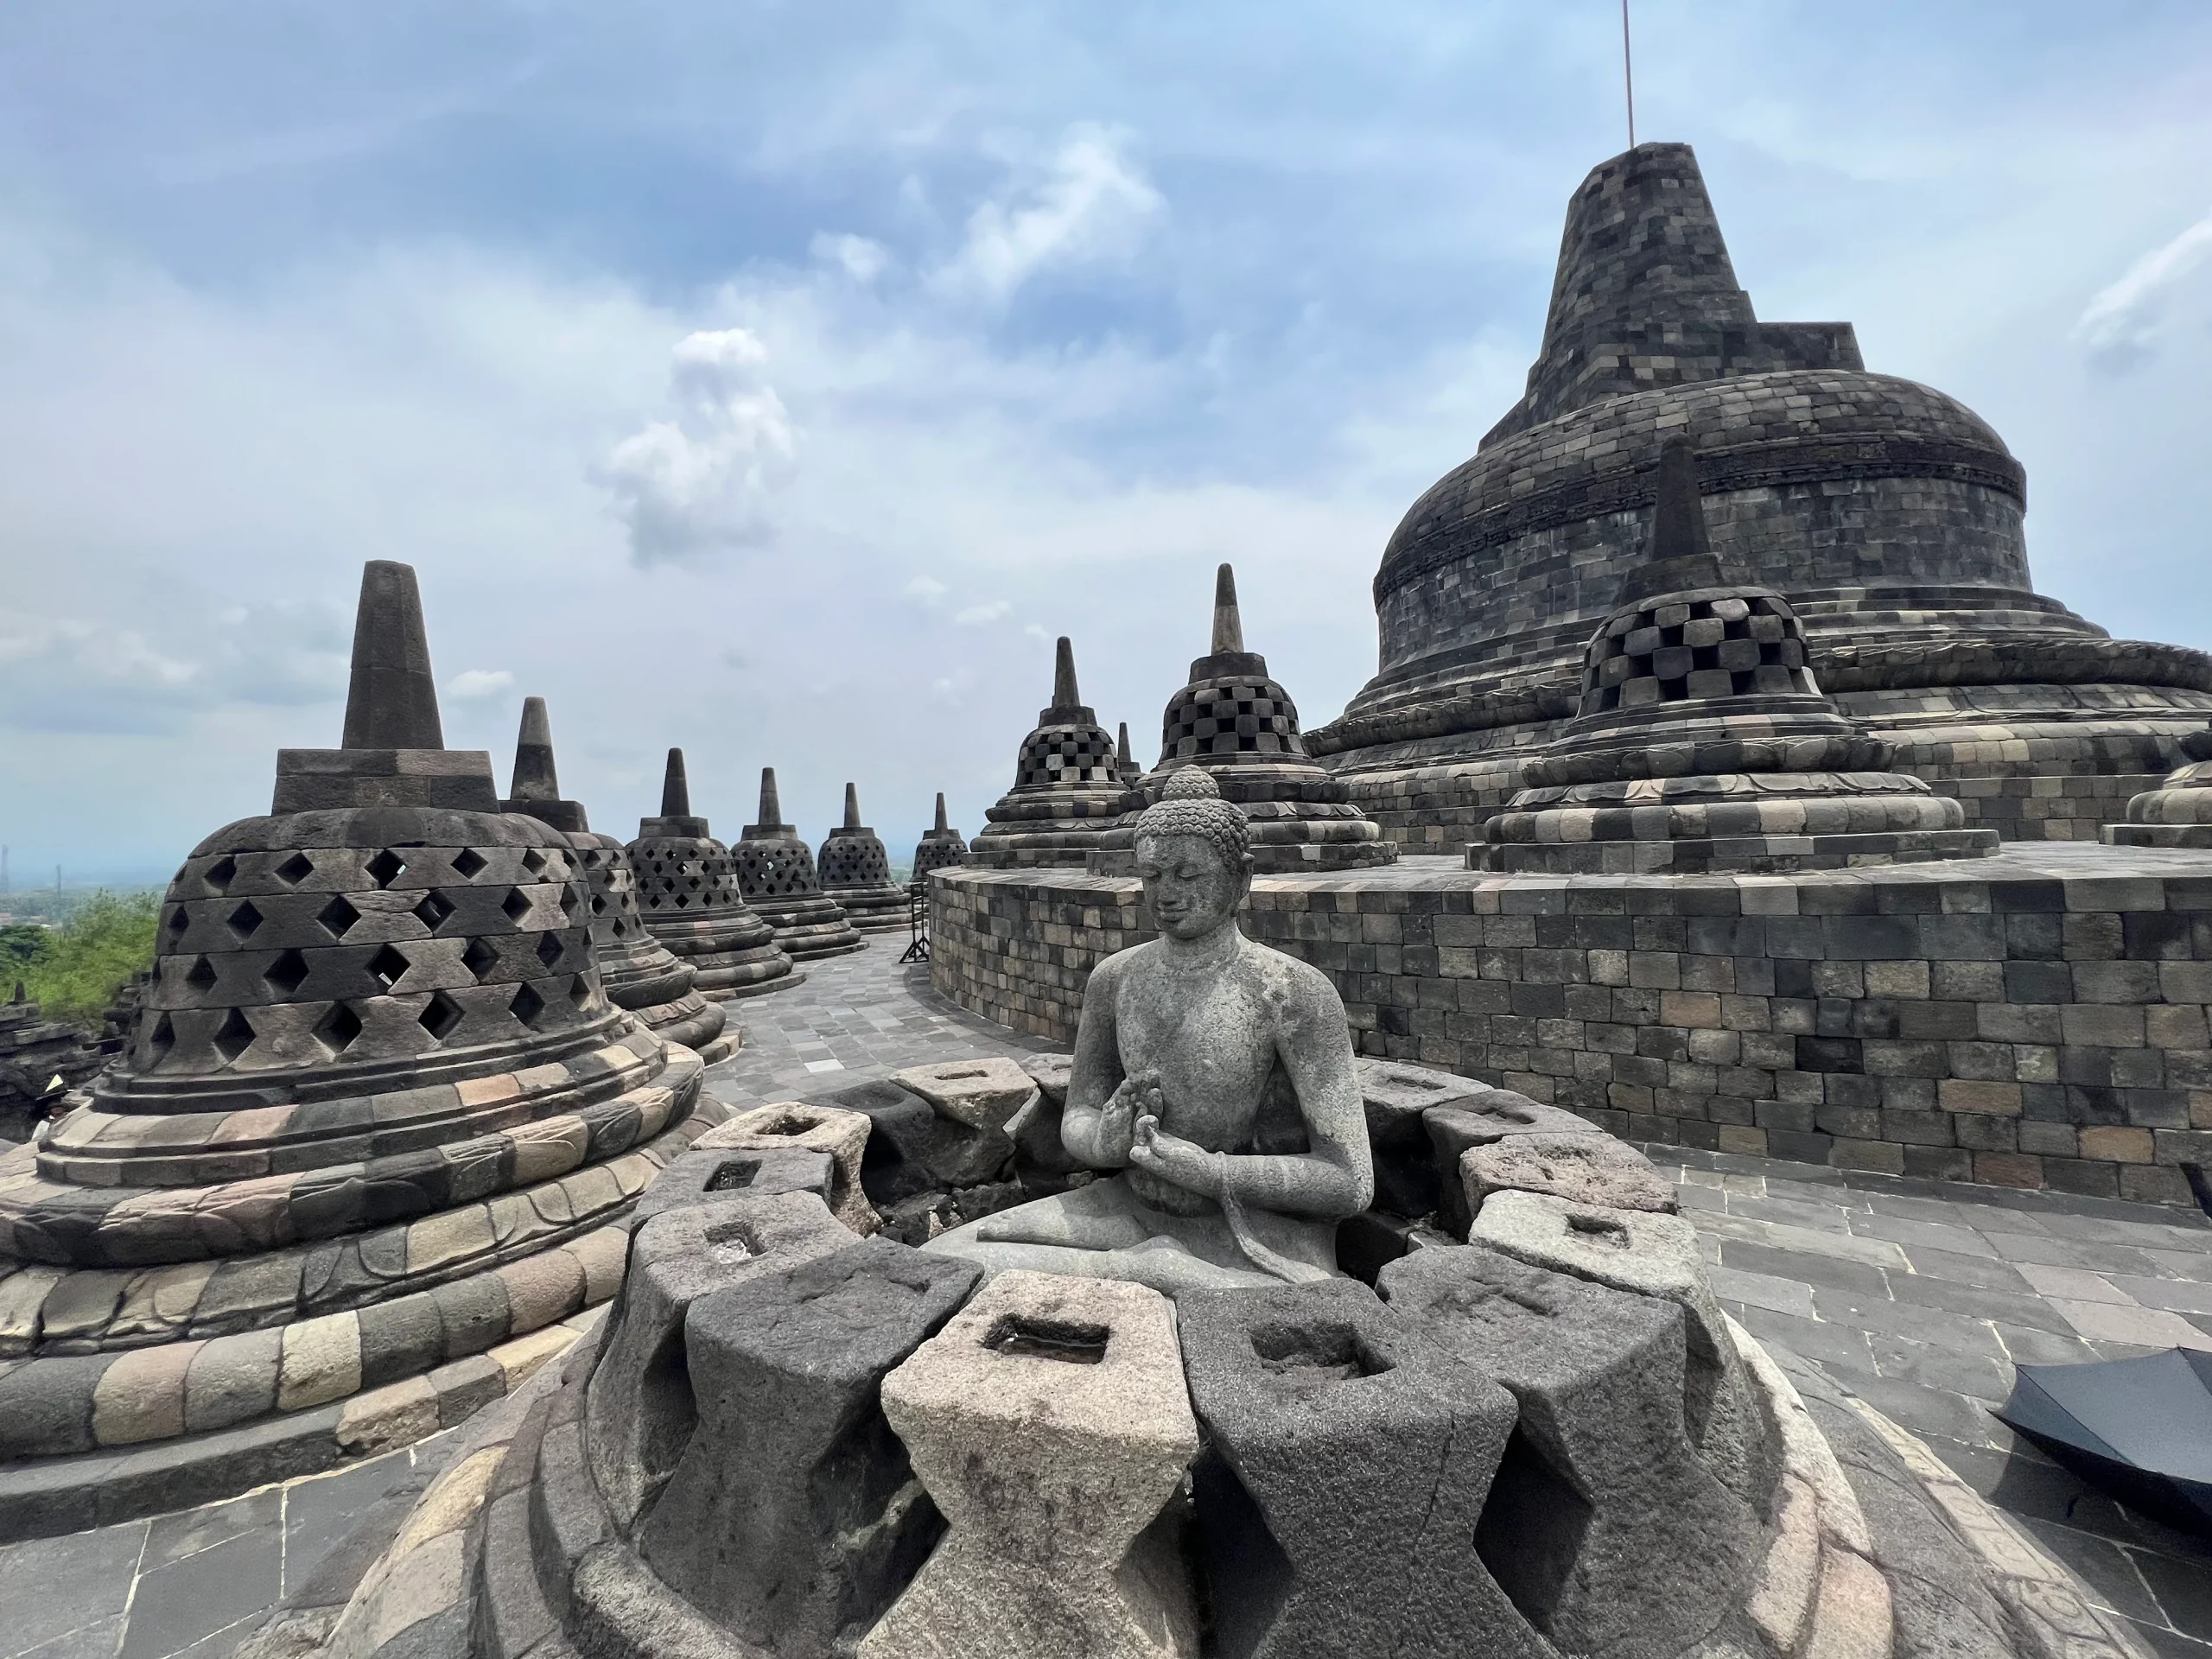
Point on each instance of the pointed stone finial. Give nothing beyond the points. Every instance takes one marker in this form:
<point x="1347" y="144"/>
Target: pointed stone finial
<point x="392" y="701"/>
<point x="1680" y="554"/>
<point x="22" y="995"/>
<point x="852" y="808"/>
<point x="534" y="778"/>
<point x="1228" y="625"/>
<point x="675" y="789"/>
<point x="1122" y="743"/>
<point x="942" y="824"/>
<point x="771" y="805"/>
<point x="1065" y="695"/>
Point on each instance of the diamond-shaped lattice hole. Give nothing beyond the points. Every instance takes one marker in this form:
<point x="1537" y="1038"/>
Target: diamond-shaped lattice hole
<point x="549" y="948"/>
<point x="440" y="1015"/>
<point x="162" y="1039"/>
<point x="468" y="861"/>
<point x="336" y="1030"/>
<point x="235" y="1036"/>
<point x="388" y="967"/>
<point x="295" y="869"/>
<point x="222" y="873"/>
<point x="527" y="1005"/>
<point x="682" y="899"/>
<point x="599" y="903"/>
<point x="533" y="860"/>
<point x="244" y="921"/>
<point x="434" y="910"/>
<point x="479" y="958"/>
<point x="202" y="975"/>
<point x="580" y="990"/>
<point x="337" y="916"/>
<point x="288" y="972"/>
<point x="178" y="920"/>
<point x="621" y="928"/>
<point x="517" y="903"/>
<point x="386" y="868"/>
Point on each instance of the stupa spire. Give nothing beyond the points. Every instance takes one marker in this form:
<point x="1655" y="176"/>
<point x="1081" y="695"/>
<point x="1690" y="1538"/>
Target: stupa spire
<point x="1065" y="695"/>
<point x="674" y="788"/>
<point x="391" y="702"/>
<point x="852" y="807"/>
<point x="771" y="805"/>
<point x="1681" y="553"/>
<point x="1228" y="624"/>
<point x="941" y="823"/>
<point x="534" y="776"/>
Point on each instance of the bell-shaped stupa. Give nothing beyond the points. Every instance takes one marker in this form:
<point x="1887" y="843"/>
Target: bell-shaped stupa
<point x="1067" y="786"/>
<point x="688" y="895"/>
<point x="1702" y="743"/>
<point x="777" y="871"/>
<point x="377" y="1118"/>
<point x="639" y="972"/>
<point x="856" y="870"/>
<point x="1241" y="728"/>
<point x="939" y="846"/>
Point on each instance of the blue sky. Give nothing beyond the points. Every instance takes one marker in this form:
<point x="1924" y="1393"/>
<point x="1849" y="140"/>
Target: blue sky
<point x="777" y="379"/>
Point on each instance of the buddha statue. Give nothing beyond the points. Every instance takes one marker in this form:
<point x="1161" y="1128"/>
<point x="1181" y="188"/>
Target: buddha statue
<point x="1212" y="1088"/>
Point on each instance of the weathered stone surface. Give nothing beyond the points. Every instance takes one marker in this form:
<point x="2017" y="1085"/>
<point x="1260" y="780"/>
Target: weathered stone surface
<point x="1604" y="1524"/>
<point x="691" y="900"/>
<point x="1050" y="1423"/>
<point x="1653" y="1255"/>
<point x="983" y="1093"/>
<point x="1349" y="1460"/>
<point x="1584" y="1168"/>
<point x="783" y="1125"/>
<point x="776" y="870"/>
<point x="1067" y="791"/>
<point x="1407" y="1178"/>
<point x="639" y="1412"/>
<point x="794" y="1518"/>
<point x="1483" y="1121"/>
<point x="699" y="1176"/>
<point x="854" y="870"/>
<point x="912" y="1148"/>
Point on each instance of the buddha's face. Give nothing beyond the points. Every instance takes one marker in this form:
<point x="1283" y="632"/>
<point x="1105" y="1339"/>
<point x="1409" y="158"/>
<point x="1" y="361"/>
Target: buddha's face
<point x="1192" y="887"/>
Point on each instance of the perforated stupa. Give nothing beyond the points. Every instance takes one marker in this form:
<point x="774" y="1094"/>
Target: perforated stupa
<point x="776" y="869"/>
<point x="687" y="892"/>
<point x="1067" y="785"/>
<point x="854" y="870"/>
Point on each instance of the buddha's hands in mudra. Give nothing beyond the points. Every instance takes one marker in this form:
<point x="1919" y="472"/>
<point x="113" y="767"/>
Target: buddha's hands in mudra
<point x="1137" y="1096"/>
<point x="1171" y="1158"/>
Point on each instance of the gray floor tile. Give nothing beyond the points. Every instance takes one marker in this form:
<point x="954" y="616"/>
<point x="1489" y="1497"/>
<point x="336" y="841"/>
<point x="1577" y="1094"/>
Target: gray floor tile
<point x="51" y="1587"/>
<point x="178" y="1605"/>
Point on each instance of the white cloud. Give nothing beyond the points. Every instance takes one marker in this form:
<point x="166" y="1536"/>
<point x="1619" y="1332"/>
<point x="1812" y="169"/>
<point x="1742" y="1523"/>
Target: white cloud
<point x="472" y="684"/>
<point x="704" y="482"/>
<point x="2121" y="325"/>
<point x="928" y="590"/>
<point x="1036" y="631"/>
<point x="977" y="615"/>
<point x="1093" y="204"/>
<point x="858" y="257"/>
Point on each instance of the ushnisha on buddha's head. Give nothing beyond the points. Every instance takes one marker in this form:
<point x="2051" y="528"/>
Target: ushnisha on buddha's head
<point x="1194" y="855"/>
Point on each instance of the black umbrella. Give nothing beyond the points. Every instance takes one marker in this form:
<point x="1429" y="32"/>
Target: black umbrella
<point x="2140" y="1429"/>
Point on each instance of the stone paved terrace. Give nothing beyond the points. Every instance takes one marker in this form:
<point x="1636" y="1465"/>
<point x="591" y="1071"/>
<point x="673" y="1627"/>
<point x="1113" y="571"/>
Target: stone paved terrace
<point x="1916" y="1296"/>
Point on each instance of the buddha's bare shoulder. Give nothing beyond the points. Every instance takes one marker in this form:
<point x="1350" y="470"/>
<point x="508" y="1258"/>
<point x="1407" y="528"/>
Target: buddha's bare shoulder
<point x="1294" y="983"/>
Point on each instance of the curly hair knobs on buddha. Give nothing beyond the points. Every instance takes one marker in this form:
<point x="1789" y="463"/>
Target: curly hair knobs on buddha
<point x="1189" y="804"/>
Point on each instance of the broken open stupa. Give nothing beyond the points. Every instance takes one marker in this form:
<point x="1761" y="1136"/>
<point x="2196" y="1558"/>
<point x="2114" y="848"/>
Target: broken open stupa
<point x="376" y="1132"/>
<point x="688" y="895"/>
<point x="639" y="972"/>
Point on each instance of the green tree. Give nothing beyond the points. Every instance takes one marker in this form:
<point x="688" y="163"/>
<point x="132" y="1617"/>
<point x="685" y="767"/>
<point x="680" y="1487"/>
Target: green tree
<point x="87" y="959"/>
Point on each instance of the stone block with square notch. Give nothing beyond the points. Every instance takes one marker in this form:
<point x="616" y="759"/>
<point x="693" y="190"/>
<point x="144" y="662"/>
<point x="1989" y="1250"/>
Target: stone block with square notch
<point x="1588" y="1167"/>
<point x="982" y="1094"/>
<point x="1481" y="1121"/>
<point x="1349" y="1460"/>
<point x="1393" y="1097"/>
<point x="785" y="1124"/>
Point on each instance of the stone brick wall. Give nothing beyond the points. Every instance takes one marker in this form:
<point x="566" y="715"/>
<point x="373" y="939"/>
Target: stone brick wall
<point x="2035" y="1019"/>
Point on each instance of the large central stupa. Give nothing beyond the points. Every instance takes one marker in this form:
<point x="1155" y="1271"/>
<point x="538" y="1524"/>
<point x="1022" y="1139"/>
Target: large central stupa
<point x="1888" y="515"/>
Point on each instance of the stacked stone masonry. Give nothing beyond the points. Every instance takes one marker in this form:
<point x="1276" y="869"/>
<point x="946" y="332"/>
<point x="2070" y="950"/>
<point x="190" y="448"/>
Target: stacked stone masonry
<point x="2035" y="1019"/>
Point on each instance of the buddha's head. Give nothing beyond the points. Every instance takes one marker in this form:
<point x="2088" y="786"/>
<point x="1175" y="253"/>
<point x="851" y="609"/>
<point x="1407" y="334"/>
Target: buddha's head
<point x="1194" y="855"/>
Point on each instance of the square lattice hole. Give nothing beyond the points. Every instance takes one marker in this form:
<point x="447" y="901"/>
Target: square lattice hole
<point x="235" y="1036"/>
<point x="434" y="910"/>
<point x="549" y="949"/>
<point x="527" y="1005"/>
<point x="243" y="921"/>
<point x="388" y="967"/>
<point x="468" y="861"/>
<point x="386" y="868"/>
<point x="336" y="1030"/>
<point x="479" y="958"/>
<point x="288" y="973"/>
<point x="337" y="916"/>
<point x="440" y="1016"/>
